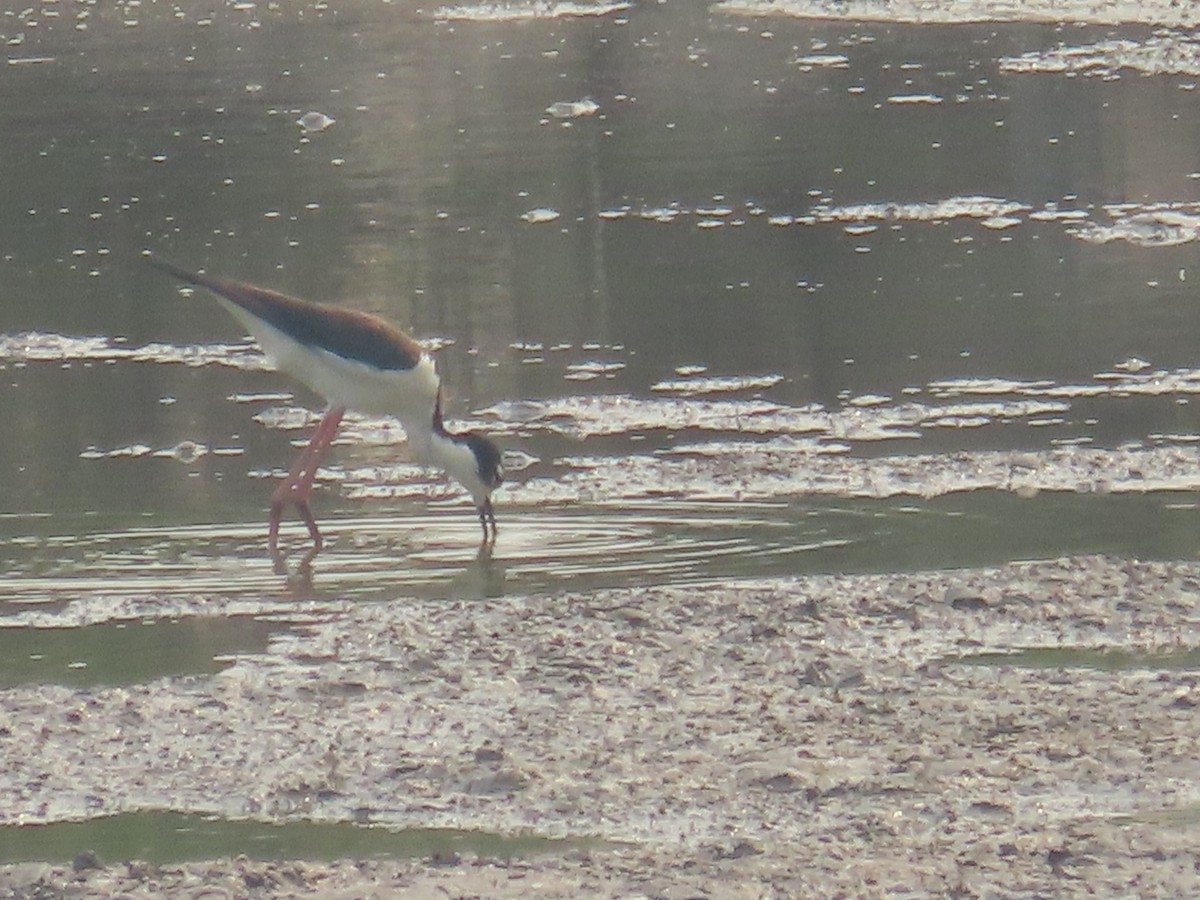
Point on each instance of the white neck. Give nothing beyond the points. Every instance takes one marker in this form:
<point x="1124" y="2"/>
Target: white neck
<point x="441" y="451"/>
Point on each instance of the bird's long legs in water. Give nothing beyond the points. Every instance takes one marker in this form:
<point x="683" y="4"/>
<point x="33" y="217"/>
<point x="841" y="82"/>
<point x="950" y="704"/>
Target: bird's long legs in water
<point x="487" y="517"/>
<point x="296" y="488"/>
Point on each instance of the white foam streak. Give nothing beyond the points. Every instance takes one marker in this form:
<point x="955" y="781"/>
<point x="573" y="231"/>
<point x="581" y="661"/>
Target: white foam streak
<point x="521" y="12"/>
<point x="788" y="467"/>
<point x="922" y="12"/>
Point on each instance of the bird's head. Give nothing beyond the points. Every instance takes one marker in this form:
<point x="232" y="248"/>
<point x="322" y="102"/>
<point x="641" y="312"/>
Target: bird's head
<point x="473" y="460"/>
<point x="487" y="460"/>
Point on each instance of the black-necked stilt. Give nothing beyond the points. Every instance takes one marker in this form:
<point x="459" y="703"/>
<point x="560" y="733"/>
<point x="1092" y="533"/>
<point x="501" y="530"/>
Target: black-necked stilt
<point x="355" y="361"/>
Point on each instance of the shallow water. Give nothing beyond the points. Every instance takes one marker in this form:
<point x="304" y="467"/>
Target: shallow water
<point x="165" y="837"/>
<point x="125" y="651"/>
<point x="180" y="569"/>
<point x="1073" y="658"/>
<point x="739" y="296"/>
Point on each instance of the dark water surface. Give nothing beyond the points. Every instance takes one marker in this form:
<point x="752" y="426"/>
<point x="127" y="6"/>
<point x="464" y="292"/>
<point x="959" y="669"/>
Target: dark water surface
<point x="651" y="246"/>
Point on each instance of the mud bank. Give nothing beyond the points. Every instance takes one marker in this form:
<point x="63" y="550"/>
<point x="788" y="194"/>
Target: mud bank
<point x="763" y="738"/>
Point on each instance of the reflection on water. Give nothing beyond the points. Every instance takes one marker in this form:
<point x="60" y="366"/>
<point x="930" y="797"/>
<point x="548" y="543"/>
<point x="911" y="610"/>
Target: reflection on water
<point x="212" y="570"/>
<point x="160" y="570"/>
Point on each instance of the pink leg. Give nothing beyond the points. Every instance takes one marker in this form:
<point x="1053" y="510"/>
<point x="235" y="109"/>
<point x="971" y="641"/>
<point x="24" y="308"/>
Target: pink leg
<point x="296" y="488"/>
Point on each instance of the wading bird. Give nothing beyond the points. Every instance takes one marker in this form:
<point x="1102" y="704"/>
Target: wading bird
<point x="355" y="361"/>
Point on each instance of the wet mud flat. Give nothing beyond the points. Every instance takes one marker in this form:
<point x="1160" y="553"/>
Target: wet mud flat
<point x="1022" y="730"/>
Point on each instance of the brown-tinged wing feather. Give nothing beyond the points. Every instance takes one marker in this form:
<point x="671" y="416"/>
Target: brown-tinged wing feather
<point x="346" y="332"/>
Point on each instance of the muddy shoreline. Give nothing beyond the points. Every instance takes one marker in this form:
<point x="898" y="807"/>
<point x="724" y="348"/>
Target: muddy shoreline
<point x="782" y="737"/>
